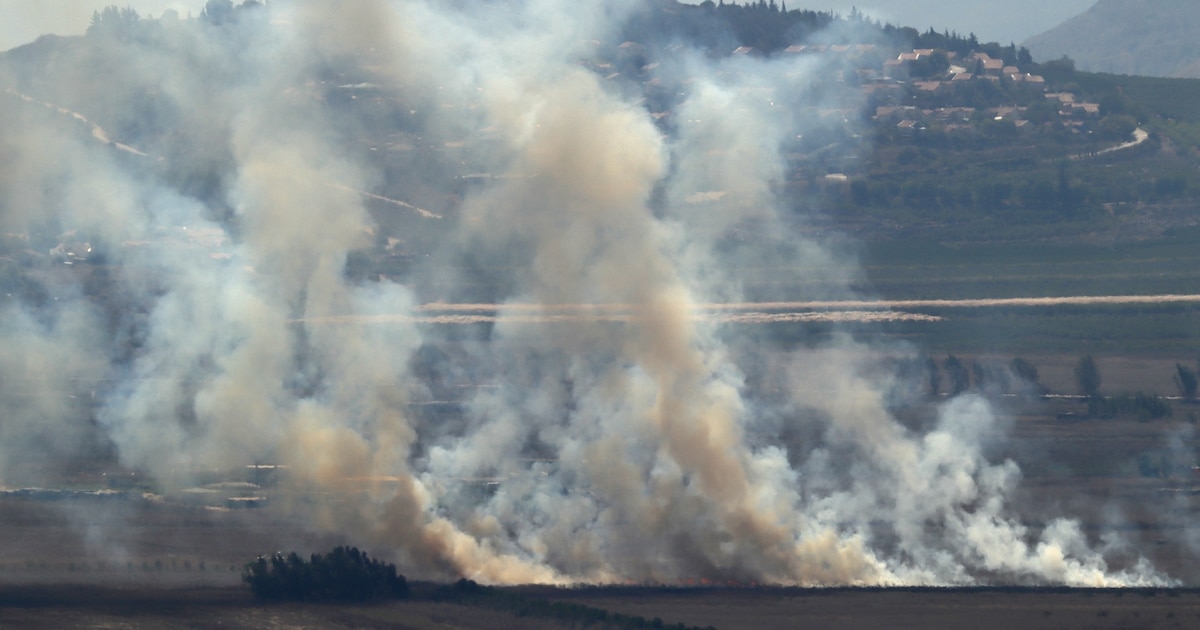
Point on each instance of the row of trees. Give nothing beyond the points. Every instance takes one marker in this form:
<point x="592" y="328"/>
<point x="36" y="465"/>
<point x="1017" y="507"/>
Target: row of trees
<point x="123" y="23"/>
<point x="1021" y="376"/>
<point x="1088" y="379"/>
<point x="348" y="575"/>
<point x="987" y="377"/>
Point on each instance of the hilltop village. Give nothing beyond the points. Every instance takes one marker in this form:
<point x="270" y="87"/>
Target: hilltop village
<point x="901" y="128"/>
<point x="925" y="88"/>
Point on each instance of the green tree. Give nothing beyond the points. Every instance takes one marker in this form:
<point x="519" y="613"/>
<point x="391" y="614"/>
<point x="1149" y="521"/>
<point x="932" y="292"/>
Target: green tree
<point x="1116" y="127"/>
<point x="1059" y="70"/>
<point x="1025" y="371"/>
<point x="113" y="22"/>
<point x="217" y="12"/>
<point x="991" y="378"/>
<point x="1114" y="103"/>
<point x="1087" y="376"/>
<point x="960" y="378"/>
<point x="1185" y="380"/>
<point x="930" y="66"/>
<point x="934" y="376"/>
<point x="1042" y="112"/>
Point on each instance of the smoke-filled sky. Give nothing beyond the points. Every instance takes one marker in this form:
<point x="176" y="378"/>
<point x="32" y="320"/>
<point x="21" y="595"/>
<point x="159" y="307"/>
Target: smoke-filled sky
<point x="1011" y="21"/>
<point x="22" y="21"/>
<point x="230" y="176"/>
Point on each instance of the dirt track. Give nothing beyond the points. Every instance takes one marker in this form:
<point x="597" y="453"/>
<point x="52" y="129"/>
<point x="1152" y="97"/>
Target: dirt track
<point x="743" y="312"/>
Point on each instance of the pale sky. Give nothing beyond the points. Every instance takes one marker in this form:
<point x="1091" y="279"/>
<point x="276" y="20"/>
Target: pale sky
<point x="22" y="21"/>
<point x="1002" y="21"/>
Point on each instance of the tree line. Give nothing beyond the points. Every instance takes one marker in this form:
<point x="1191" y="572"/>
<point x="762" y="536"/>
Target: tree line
<point x="1018" y="376"/>
<point x="954" y="376"/>
<point x="114" y="20"/>
<point x="348" y="575"/>
<point x="342" y="575"/>
<point x="1088" y="378"/>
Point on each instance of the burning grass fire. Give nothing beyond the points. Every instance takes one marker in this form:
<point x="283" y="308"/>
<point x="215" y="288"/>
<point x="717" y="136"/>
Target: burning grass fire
<point x="632" y="443"/>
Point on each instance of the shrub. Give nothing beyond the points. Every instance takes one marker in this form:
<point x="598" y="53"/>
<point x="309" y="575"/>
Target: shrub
<point x="960" y="378"/>
<point x="1025" y="371"/>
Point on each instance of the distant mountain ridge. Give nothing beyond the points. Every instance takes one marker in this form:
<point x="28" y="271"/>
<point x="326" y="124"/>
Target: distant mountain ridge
<point x="1156" y="38"/>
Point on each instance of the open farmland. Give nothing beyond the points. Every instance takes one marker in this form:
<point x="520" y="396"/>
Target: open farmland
<point x="1009" y="273"/>
<point x="1120" y="477"/>
<point x="181" y="560"/>
<point x="837" y="609"/>
<point x="708" y="607"/>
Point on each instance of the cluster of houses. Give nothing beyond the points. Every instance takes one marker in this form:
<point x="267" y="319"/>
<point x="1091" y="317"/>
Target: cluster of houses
<point x="978" y="66"/>
<point x="961" y="118"/>
<point x="896" y="80"/>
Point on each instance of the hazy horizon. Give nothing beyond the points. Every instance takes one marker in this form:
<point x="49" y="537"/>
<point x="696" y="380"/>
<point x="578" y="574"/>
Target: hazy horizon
<point x="1021" y="19"/>
<point x="1017" y="21"/>
<point x="25" y="21"/>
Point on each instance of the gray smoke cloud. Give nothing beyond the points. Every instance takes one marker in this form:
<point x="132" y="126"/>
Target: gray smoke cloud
<point x="591" y="447"/>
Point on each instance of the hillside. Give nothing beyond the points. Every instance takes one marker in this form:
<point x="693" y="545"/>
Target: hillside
<point x="949" y="136"/>
<point x="1139" y="37"/>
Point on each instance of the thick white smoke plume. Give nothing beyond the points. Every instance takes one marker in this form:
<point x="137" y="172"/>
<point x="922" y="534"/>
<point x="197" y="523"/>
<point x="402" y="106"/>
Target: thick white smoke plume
<point x="624" y="442"/>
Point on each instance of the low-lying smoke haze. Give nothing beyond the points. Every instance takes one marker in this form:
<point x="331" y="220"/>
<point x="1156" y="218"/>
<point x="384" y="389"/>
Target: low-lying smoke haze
<point x="226" y="328"/>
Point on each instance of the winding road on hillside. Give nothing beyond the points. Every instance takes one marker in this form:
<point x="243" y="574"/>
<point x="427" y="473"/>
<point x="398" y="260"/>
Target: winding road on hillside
<point x="859" y="311"/>
<point x="102" y="136"/>
<point x="1139" y="136"/>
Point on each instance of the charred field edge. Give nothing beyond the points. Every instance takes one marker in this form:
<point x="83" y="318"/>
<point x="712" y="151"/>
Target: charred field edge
<point x="157" y="600"/>
<point x="818" y="591"/>
<point x="66" y="594"/>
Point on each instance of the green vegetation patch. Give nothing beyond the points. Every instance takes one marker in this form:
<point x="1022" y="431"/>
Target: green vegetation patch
<point x="342" y="575"/>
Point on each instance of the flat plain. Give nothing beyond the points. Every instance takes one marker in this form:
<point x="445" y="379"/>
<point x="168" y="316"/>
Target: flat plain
<point x="107" y="562"/>
<point x="179" y="565"/>
<point x="736" y="609"/>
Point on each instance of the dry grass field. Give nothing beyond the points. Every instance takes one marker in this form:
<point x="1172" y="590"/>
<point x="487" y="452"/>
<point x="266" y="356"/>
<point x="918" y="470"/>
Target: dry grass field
<point x="837" y="609"/>
<point x="94" y="562"/>
<point x="55" y="607"/>
<point x="52" y="607"/>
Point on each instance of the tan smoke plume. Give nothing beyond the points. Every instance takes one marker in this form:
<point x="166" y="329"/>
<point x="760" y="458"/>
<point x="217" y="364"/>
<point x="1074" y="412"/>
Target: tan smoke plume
<point x="609" y="413"/>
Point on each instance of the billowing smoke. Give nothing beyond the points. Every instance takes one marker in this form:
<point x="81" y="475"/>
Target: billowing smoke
<point x="606" y="431"/>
